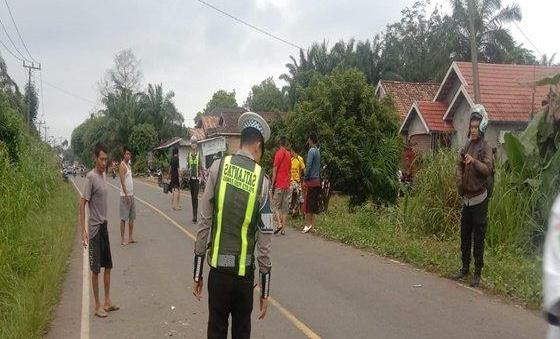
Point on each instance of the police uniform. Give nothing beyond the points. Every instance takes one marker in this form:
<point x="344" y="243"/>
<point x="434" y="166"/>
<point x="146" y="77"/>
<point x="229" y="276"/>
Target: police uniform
<point x="193" y="168"/>
<point x="235" y="229"/>
<point x="551" y="270"/>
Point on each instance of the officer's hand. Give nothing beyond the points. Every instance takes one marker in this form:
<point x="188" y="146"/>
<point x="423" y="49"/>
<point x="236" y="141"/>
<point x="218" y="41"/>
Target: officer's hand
<point x="264" y="307"/>
<point x="197" y="288"/>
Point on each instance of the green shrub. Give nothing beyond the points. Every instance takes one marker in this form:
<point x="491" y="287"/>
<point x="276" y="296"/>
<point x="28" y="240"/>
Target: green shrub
<point x="37" y="222"/>
<point x="433" y="205"/>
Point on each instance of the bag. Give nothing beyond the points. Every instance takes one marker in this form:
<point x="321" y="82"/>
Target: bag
<point x="165" y="187"/>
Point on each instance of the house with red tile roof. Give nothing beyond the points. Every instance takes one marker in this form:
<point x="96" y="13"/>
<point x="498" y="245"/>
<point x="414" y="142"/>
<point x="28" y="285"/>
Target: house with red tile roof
<point x="508" y="92"/>
<point x="225" y="125"/>
<point x="404" y="94"/>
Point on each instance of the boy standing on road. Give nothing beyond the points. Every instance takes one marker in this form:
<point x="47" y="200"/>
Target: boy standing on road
<point x="312" y="182"/>
<point x="127" y="207"/>
<point x="174" y="184"/>
<point x="281" y="182"/>
<point x="235" y="213"/>
<point x="96" y="236"/>
<point x="194" y="172"/>
<point x="473" y="169"/>
<point x="298" y="166"/>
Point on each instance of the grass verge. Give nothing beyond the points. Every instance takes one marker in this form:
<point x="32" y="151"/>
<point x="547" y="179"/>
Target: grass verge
<point x="381" y="230"/>
<point x="33" y="261"/>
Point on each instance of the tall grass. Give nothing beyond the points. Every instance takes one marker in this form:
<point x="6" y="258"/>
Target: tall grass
<point x="423" y="228"/>
<point x="37" y="223"/>
<point x="433" y="205"/>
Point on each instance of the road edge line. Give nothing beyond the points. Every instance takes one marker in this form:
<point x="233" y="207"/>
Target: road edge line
<point x="287" y="314"/>
<point x="84" y="322"/>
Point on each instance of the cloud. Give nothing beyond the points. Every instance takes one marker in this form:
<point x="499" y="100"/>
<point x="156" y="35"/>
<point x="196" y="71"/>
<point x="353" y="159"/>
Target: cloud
<point x="188" y="47"/>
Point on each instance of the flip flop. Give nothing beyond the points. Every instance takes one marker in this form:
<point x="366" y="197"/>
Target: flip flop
<point x="101" y="313"/>
<point x="279" y="229"/>
<point x="112" y="308"/>
<point x="132" y="242"/>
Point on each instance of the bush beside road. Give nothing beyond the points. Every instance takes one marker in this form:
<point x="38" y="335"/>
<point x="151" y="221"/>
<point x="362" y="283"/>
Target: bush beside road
<point x="423" y="229"/>
<point x="38" y="216"/>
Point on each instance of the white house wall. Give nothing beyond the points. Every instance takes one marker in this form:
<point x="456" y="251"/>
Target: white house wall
<point x="183" y="151"/>
<point x="416" y="126"/>
<point x="461" y="124"/>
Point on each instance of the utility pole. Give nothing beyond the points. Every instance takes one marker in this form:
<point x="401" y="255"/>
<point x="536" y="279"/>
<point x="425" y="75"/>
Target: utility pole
<point x="30" y="67"/>
<point x="474" y="50"/>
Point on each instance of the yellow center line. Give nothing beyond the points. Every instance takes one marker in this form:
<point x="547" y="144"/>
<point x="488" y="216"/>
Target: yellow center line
<point x="300" y="325"/>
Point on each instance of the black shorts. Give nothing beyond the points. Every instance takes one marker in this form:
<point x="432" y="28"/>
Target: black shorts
<point x="100" y="250"/>
<point x="311" y="200"/>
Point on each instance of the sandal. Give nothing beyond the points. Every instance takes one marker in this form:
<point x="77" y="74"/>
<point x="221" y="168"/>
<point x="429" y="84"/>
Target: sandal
<point x="112" y="308"/>
<point x="101" y="313"/>
<point x="279" y="229"/>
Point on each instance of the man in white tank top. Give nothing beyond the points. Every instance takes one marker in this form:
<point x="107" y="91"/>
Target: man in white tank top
<point x="127" y="208"/>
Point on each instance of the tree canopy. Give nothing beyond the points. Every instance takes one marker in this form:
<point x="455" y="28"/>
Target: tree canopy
<point x="221" y="98"/>
<point x="266" y="97"/>
<point x="129" y="117"/>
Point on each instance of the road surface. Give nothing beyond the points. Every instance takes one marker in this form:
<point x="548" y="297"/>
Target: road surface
<point x="321" y="289"/>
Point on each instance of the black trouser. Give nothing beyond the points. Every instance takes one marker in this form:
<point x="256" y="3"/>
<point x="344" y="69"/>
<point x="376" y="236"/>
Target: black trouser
<point x="229" y="294"/>
<point x="194" y="185"/>
<point x="473" y="226"/>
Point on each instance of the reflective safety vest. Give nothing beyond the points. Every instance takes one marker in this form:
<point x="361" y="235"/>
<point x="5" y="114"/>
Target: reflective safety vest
<point x="236" y="198"/>
<point x="193" y="165"/>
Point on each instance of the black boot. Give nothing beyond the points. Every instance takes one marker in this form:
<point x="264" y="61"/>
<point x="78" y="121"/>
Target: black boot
<point x="476" y="277"/>
<point x="475" y="280"/>
<point x="461" y="274"/>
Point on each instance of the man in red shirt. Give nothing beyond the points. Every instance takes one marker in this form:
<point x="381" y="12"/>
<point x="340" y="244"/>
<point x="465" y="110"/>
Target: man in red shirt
<point x="281" y="181"/>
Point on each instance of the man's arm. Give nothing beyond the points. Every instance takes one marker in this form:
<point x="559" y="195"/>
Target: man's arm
<point x="122" y="173"/>
<point x="275" y="167"/>
<point x="86" y="197"/>
<point x="204" y="226"/>
<point x="85" y="235"/>
<point x="263" y="247"/>
<point x="484" y="166"/>
<point x="310" y="156"/>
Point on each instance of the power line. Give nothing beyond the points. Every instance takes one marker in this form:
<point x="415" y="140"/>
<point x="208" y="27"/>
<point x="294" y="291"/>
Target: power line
<point x="17" y="30"/>
<point x="527" y="38"/>
<point x="9" y="51"/>
<point x="250" y="25"/>
<point x="68" y="93"/>
<point x="12" y="41"/>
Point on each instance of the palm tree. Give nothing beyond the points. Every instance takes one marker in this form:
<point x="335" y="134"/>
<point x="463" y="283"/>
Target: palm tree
<point x="546" y="61"/>
<point x="494" y="41"/>
<point x="158" y="109"/>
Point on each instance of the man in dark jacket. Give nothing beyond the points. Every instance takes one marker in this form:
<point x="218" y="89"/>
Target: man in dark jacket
<point x="473" y="170"/>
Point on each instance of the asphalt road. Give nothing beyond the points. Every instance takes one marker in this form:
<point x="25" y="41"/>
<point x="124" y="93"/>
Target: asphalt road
<point x="320" y="289"/>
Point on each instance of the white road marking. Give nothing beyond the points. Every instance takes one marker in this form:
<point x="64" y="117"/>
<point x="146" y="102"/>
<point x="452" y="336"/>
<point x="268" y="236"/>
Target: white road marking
<point x="84" y="323"/>
<point x="300" y="325"/>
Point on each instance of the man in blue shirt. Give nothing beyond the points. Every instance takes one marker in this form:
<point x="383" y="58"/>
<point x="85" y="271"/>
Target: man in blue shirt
<point x="312" y="182"/>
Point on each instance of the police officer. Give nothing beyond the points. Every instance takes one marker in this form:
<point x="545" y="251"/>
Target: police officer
<point x="551" y="272"/>
<point x="194" y="171"/>
<point x="236" y="220"/>
<point x="474" y="168"/>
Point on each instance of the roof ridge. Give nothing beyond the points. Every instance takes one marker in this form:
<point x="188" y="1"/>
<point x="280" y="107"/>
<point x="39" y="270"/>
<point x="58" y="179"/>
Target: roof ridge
<point x="410" y="82"/>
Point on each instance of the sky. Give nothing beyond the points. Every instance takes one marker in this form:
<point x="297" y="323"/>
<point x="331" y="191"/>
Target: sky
<point x="193" y="50"/>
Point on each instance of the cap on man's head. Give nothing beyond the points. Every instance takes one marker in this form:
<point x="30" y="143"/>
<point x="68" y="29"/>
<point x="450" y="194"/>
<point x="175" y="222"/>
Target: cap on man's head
<point x="253" y="120"/>
<point x="194" y="140"/>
